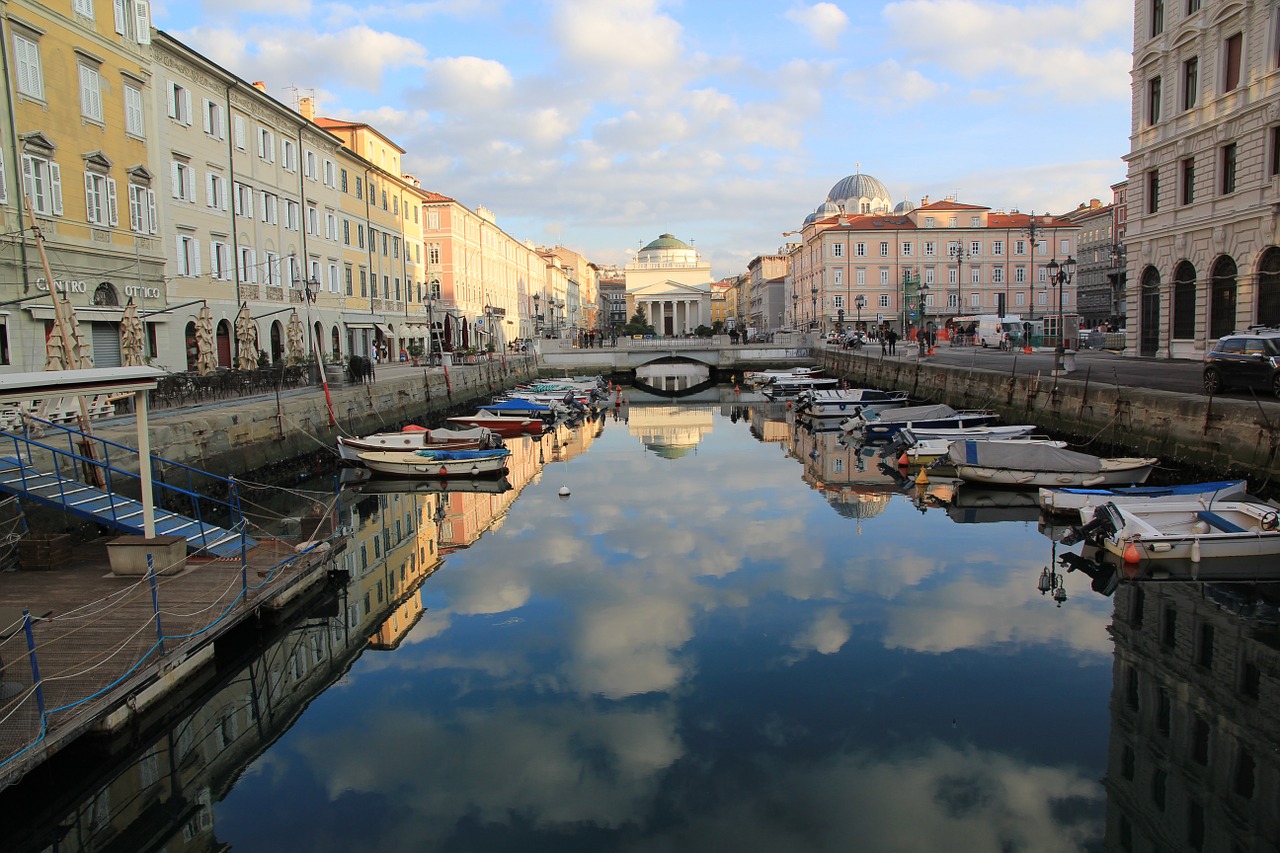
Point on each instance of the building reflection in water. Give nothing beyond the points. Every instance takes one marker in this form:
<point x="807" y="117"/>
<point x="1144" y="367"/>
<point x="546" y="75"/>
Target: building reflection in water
<point x="1194" y="757"/>
<point x="159" y="793"/>
<point x="673" y="377"/>
<point x="670" y="431"/>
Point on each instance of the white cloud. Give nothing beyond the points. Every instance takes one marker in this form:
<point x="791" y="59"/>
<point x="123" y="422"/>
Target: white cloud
<point x="826" y="634"/>
<point x="824" y="22"/>
<point x="617" y="35"/>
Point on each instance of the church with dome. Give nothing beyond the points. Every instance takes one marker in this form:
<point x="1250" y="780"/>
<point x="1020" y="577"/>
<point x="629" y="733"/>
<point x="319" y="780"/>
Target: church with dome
<point x="671" y="283"/>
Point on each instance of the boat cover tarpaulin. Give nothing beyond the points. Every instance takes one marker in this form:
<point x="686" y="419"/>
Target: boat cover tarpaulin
<point x="1017" y="456"/>
<point x="508" y="406"/>
<point x="916" y="413"/>
<point x="461" y="455"/>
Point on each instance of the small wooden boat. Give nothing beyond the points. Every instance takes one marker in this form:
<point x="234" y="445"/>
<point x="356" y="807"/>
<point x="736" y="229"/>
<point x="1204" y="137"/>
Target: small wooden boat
<point x="928" y="450"/>
<point x="437" y="463"/>
<point x="788" y="388"/>
<point x="418" y="438"/>
<point x="845" y="402"/>
<point x="885" y="425"/>
<point x="1073" y="500"/>
<point x="1004" y="463"/>
<point x="1192" y="530"/>
<point x="503" y="425"/>
<point x="762" y="377"/>
<point x="524" y="408"/>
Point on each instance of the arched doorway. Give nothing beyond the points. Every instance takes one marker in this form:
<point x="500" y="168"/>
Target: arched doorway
<point x="335" y="345"/>
<point x="1184" y="301"/>
<point x="317" y="332"/>
<point x="1222" y="304"/>
<point x="189" y="336"/>
<point x="1149" y="342"/>
<point x="1269" y="288"/>
<point x="224" y="344"/>
<point x="277" y="342"/>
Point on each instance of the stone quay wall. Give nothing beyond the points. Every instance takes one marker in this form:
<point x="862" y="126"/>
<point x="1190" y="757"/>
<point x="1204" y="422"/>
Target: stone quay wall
<point x="235" y="436"/>
<point x="1215" y="435"/>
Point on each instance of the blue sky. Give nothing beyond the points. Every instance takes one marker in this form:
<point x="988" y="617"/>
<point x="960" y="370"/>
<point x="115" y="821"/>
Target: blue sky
<point x="600" y="124"/>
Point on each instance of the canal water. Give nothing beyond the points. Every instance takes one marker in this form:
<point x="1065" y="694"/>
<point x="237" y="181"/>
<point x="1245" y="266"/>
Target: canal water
<point x="694" y="626"/>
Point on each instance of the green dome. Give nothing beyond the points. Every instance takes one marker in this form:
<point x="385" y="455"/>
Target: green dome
<point x="667" y="241"/>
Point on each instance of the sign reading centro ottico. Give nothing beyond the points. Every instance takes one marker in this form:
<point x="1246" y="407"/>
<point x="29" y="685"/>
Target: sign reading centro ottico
<point x="77" y="286"/>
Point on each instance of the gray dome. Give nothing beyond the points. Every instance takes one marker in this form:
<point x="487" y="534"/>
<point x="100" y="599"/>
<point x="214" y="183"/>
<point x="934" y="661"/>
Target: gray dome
<point x="904" y="207"/>
<point x="829" y="208"/>
<point x="812" y="217"/>
<point x="858" y="186"/>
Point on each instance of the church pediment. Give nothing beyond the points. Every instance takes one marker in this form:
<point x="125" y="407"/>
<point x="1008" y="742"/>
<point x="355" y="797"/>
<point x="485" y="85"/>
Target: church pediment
<point x="671" y="289"/>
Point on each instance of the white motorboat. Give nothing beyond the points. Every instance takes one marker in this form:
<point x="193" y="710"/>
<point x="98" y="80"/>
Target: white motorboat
<point x="418" y="438"/>
<point x="762" y="377"/>
<point x="789" y="389"/>
<point x="927" y="450"/>
<point x="885" y="425"/>
<point x="1183" y="530"/>
<point x="1004" y="463"/>
<point x="437" y="463"/>
<point x="1071" y="501"/>
<point x="845" y="402"/>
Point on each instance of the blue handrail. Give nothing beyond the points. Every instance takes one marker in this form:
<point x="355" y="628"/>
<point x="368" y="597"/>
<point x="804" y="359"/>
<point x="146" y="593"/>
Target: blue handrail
<point x="72" y="457"/>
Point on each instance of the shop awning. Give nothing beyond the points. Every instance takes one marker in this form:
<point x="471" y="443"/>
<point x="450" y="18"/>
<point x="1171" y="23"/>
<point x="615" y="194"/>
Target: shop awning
<point x="351" y="325"/>
<point x="385" y="329"/>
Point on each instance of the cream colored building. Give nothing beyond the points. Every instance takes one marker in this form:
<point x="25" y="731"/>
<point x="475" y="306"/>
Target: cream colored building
<point x="1204" y="175"/>
<point x="671" y="283"/>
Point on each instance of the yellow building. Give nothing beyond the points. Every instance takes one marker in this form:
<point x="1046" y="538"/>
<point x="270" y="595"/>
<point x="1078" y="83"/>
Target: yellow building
<point x="77" y="82"/>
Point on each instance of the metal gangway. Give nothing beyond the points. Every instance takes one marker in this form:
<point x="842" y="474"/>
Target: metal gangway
<point x="85" y="475"/>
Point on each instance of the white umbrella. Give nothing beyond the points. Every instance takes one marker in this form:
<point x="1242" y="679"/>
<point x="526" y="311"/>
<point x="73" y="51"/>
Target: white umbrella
<point x="206" y="352"/>
<point x="72" y="351"/>
<point x="132" y="343"/>
<point x="247" y="336"/>
<point x="294" y="334"/>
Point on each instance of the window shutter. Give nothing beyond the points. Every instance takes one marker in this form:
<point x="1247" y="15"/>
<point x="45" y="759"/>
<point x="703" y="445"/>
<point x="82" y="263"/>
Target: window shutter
<point x="90" y="202"/>
<point x="186" y="107"/>
<point x="135" y="208"/>
<point x="222" y="203"/>
<point x="28" y="183"/>
<point x="182" y="255"/>
<point x="153" y="226"/>
<point x="237" y="130"/>
<point x="211" y="191"/>
<point x="119" y="12"/>
<point x="4" y="192"/>
<point x="55" y="186"/>
<point x="205" y="112"/>
<point x="253" y="266"/>
<point x="173" y="99"/>
<point x="142" y="18"/>
<point x="195" y="249"/>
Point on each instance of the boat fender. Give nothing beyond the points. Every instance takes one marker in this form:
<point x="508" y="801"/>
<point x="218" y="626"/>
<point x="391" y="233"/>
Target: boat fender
<point x="1131" y="552"/>
<point x="1271" y="521"/>
<point x="443" y="471"/>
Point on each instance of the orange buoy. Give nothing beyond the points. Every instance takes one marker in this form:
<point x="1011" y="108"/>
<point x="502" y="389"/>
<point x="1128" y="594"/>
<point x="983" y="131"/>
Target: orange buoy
<point x="737" y="390"/>
<point x="443" y="471"/>
<point x="1131" y="553"/>
<point x="903" y="461"/>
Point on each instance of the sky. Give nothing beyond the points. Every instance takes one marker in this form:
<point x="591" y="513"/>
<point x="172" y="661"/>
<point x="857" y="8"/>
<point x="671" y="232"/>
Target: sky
<point x="600" y="124"/>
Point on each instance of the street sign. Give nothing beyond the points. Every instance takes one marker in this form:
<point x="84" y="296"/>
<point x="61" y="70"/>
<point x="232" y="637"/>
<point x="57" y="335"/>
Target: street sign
<point x="879" y="317"/>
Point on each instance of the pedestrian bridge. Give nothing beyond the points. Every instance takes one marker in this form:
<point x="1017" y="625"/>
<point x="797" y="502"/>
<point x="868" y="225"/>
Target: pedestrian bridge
<point x="717" y="353"/>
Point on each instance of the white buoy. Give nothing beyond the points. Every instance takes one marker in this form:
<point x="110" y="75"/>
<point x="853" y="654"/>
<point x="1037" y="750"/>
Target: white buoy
<point x="564" y="491"/>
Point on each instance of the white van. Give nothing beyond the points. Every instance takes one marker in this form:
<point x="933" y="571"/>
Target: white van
<point x="990" y="327"/>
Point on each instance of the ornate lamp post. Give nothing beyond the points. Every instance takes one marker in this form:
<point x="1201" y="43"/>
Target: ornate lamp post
<point x="795" y="310"/>
<point x="537" y="315"/>
<point x="959" y="254"/>
<point x="922" y="291"/>
<point x="1061" y="276"/>
<point x="1033" y="231"/>
<point x="908" y="281"/>
<point x="813" y="300"/>
<point x="860" y="302"/>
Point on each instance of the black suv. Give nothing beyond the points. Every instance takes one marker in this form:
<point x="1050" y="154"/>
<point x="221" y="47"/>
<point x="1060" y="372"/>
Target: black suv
<point x="1244" y="360"/>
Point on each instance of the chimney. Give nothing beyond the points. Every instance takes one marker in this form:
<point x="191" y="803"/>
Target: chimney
<point x="924" y="201"/>
<point x="307" y="106"/>
<point x="260" y="85"/>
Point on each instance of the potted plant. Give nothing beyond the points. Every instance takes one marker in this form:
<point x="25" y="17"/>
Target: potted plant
<point x="415" y="352"/>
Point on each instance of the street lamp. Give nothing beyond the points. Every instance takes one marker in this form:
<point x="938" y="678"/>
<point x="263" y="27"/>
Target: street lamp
<point x="860" y="302"/>
<point x="959" y="254"/>
<point x="795" y="310"/>
<point x="907" y="282"/>
<point x="813" y="313"/>
<point x="1061" y="276"/>
<point x="922" y="291"/>
<point x="537" y="315"/>
<point x="488" y="326"/>
<point x="429" y="299"/>
<point x="1032" y="232"/>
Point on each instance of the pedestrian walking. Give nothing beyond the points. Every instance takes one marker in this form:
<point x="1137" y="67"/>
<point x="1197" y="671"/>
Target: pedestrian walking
<point x="893" y="342"/>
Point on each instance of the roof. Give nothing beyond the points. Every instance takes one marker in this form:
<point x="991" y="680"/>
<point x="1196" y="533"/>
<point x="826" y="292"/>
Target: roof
<point x="950" y="204"/>
<point x="667" y="241"/>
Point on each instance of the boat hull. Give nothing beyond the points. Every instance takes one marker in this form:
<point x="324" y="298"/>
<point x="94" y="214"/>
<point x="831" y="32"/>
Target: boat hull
<point x="414" y="464"/>
<point x="506" y="427"/>
<point x="1123" y="472"/>
<point x="1187" y="530"/>
<point x="349" y="449"/>
<point x="1071" y="501"/>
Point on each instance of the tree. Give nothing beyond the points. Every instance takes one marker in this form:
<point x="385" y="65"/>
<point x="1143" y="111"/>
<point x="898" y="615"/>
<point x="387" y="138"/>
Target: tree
<point x="638" y="324"/>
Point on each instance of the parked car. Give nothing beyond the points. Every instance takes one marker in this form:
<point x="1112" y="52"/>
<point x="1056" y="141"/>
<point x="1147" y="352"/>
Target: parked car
<point x="1244" y="360"/>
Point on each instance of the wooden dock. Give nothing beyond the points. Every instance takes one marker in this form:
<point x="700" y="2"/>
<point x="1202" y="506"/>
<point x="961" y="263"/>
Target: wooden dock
<point x="97" y="644"/>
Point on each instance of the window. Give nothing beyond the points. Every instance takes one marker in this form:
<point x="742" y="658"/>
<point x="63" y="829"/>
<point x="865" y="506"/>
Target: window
<point x="313" y="220"/>
<point x="347" y="277"/>
<point x="342" y="176"/>
<point x="1231" y="62"/>
<point x="1157" y="17"/>
<point x="83" y="7"/>
<point x="1188" y="180"/>
<point x="364" y="282"/>
<point x="975" y="274"/>
<point x="237" y="131"/>
<point x="216" y="191"/>
<point x="188" y="256"/>
<point x="1190" y="82"/>
<point x="1193" y="6"/>
<point x="883" y="302"/>
<point x="134" y="123"/>
<point x="30" y="75"/>
<point x="884" y="248"/>
<point x="1020" y="275"/>
<point x="220" y="260"/>
<point x="884" y="276"/>
<point x="184" y="181"/>
<point x="270" y="208"/>
<point x="333" y="277"/>
<point x="288" y="155"/>
<point x="100" y="199"/>
<point x="248" y="269"/>
<point x="975" y="248"/>
<point x="133" y="20"/>
<point x="1204" y="647"/>
<point x="929" y="279"/>
<point x="1200" y="741"/>
<point x="837" y="250"/>
<point x="359" y="189"/>
<point x="329" y="179"/>
<point x="291" y="215"/>
<point x="142" y="209"/>
<point x="311" y="165"/>
<point x="859" y="250"/>
<point x="271" y="269"/>
<point x="346" y="233"/>
<point x="905" y="250"/>
<point x="952" y="276"/>
<point x="837" y="276"/>
<point x="214" y="125"/>
<point x="997" y="247"/>
<point x="928" y="222"/>
<point x="930" y="248"/>
<point x="90" y="93"/>
<point x="244" y="200"/>
<point x="1273" y="156"/>
<point x="360" y="235"/>
<point x="1228" y="168"/>
<point x="997" y="275"/>
<point x="1153" y="191"/>
<point x="1153" y="100"/>
<point x="266" y="145"/>
<point x="1019" y="247"/>
<point x="331" y="225"/>
<point x="952" y="222"/>
<point x="179" y="104"/>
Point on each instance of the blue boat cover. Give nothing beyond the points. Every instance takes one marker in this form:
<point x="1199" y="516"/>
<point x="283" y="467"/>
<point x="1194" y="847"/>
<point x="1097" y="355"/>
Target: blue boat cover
<point x="462" y="455"/>
<point x="516" y="406"/>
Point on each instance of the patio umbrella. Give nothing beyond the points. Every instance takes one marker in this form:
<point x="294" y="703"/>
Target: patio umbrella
<point x="247" y="337"/>
<point x="70" y="351"/>
<point x="294" y="336"/>
<point x="206" y="352"/>
<point x="132" y="344"/>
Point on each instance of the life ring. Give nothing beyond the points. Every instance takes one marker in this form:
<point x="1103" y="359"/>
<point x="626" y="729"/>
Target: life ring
<point x="1270" y="521"/>
<point x="443" y="471"/>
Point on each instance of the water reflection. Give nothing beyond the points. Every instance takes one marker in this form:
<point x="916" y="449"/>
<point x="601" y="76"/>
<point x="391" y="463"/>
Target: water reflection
<point x="693" y="652"/>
